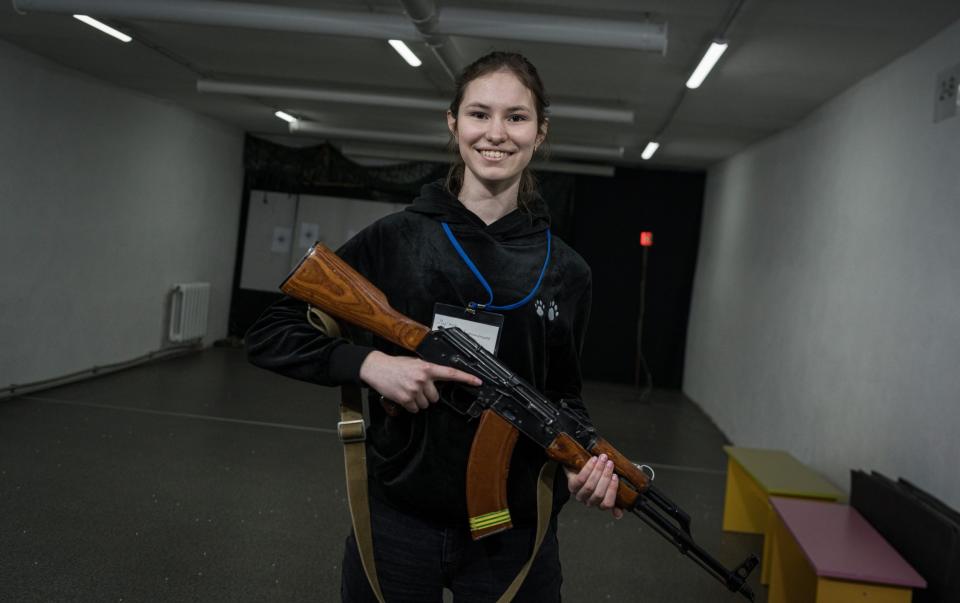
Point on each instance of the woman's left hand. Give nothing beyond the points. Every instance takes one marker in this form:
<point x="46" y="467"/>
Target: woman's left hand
<point x="595" y="485"/>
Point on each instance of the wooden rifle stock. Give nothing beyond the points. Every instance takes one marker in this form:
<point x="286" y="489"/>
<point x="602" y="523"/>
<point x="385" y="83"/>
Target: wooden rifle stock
<point x="324" y="280"/>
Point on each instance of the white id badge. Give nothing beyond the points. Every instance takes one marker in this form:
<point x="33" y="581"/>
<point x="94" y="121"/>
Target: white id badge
<point x="484" y="327"/>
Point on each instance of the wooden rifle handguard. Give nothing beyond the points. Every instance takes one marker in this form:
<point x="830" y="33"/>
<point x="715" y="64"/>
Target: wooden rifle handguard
<point x="568" y="452"/>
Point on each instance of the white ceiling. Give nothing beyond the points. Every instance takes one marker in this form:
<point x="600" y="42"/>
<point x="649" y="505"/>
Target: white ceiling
<point x="785" y="58"/>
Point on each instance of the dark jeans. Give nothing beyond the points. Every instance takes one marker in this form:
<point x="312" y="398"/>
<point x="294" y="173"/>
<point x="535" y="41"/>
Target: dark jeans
<point x="416" y="560"/>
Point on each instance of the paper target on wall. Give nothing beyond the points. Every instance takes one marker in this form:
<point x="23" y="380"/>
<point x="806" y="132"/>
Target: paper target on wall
<point x="309" y="232"/>
<point x="282" y="236"/>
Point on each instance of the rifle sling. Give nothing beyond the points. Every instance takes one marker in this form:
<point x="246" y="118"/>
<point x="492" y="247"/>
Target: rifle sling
<point x="353" y="436"/>
<point x="352" y="432"/>
<point x="544" y="511"/>
<point x="355" y="465"/>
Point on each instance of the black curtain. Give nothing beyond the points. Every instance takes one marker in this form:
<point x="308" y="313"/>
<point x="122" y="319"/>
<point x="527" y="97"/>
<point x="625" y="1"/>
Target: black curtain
<point x="610" y="214"/>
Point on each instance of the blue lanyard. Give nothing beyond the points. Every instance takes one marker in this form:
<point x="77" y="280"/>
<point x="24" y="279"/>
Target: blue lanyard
<point x="473" y="268"/>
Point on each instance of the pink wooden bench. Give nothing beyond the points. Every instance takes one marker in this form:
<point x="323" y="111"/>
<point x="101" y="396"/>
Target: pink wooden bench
<point x="826" y="552"/>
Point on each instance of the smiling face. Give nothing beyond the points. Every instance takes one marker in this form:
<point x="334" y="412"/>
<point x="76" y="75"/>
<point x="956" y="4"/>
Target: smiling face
<point x="496" y="131"/>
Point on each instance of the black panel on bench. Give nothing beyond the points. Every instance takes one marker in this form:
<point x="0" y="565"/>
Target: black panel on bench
<point x="922" y="529"/>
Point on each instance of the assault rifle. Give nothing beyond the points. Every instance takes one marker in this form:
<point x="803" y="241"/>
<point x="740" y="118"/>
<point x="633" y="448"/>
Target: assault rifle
<point x="507" y="405"/>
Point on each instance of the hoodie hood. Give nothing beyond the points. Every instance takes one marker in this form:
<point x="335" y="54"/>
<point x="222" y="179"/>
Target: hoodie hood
<point x="437" y="203"/>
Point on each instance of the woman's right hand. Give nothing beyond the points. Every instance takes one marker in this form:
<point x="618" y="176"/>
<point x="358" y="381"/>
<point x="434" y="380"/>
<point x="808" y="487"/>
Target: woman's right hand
<point x="409" y="381"/>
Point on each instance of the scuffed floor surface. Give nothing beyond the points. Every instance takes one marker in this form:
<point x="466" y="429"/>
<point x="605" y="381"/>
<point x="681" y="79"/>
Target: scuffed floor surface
<point x="205" y="479"/>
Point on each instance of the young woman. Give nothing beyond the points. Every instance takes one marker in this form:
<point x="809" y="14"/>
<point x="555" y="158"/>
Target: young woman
<point x="480" y="240"/>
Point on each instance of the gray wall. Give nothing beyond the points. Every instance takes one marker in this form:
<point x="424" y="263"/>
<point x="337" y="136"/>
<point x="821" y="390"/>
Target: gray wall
<point x="107" y="198"/>
<point x="826" y="307"/>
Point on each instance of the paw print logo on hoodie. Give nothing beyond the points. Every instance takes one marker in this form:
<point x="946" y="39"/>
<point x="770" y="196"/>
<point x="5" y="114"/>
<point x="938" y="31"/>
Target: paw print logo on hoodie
<point x="551" y="310"/>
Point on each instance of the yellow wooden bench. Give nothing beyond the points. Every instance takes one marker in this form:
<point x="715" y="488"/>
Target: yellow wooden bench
<point x="756" y="474"/>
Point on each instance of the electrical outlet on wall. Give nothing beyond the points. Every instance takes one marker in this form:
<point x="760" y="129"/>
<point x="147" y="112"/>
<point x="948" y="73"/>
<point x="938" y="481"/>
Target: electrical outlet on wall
<point x="945" y="99"/>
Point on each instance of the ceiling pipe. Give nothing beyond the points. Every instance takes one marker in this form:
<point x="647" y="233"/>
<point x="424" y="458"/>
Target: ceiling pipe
<point x="606" y="33"/>
<point x="423" y="13"/>
<point x="587" y="152"/>
<point x="588" y="113"/>
<point x="438" y="140"/>
<point x="308" y="127"/>
<point x="235" y="14"/>
<point x="403" y="154"/>
<point x="355" y="97"/>
<point x="450" y="21"/>
<point x="406" y="154"/>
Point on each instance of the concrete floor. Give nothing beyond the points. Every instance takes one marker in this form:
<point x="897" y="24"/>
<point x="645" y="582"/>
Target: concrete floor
<point x="203" y="478"/>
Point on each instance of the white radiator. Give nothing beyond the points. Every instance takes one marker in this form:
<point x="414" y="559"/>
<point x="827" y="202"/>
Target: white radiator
<point x="188" y="311"/>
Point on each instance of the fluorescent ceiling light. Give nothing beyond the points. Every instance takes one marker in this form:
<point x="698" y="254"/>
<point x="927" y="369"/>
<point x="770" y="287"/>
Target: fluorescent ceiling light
<point x="103" y="27"/>
<point x="709" y="59"/>
<point x="405" y="52"/>
<point x="286" y="117"/>
<point x="649" y="150"/>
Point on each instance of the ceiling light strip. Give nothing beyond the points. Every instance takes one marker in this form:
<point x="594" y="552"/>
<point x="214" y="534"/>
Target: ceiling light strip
<point x="710" y="58"/>
<point x="103" y="27"/>
<point x="404" y="51"/>
<point x="721" y="35"/>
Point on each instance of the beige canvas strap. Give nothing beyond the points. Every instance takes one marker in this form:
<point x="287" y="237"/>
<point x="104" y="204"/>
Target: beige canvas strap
<point x="322" y="322"/>
<point x="544" y="511"/>
<point x="352" y="434"/>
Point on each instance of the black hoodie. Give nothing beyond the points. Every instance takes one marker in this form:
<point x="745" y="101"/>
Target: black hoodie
<point x="417" y="462"/>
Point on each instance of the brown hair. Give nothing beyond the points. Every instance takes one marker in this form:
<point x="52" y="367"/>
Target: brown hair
<point x="524" y="70"/>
